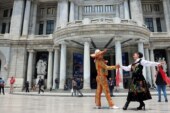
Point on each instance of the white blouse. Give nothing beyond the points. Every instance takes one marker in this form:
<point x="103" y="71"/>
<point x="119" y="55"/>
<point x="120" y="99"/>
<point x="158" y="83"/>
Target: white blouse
<point x="143" y="63"/>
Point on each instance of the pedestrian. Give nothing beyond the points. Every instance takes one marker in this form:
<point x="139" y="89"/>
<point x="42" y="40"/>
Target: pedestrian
<point x="74" y="87"/>
<point x="79" y="85"/>
<point x="12" y="82"/>
<point x="65" y="86"/>
<point x="56" y="82"/>
<point x="161" y="84"/>
<point x="2" y="84"/>
<point x="111" y="86"/>
<point x="138" y="89"/>
<point x="102" y="83"/>
<point x="27" y="86"/>
<point x="40" y="84"/>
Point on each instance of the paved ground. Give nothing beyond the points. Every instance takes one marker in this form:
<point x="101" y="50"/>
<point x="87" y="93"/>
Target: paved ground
<point x="56" y="104"/>
<point x="62" y="93"/>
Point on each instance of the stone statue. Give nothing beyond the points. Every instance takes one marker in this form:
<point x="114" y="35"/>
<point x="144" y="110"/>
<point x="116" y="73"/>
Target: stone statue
<point x="41" y="67"/>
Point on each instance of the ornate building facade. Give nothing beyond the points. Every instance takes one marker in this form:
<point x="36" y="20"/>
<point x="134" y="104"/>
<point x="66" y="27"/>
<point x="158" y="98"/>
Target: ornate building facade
<point x="54" y="38"/>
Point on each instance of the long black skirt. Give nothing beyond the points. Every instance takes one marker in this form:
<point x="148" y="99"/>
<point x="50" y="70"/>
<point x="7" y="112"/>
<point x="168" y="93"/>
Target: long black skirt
<point x="138" y="90"/>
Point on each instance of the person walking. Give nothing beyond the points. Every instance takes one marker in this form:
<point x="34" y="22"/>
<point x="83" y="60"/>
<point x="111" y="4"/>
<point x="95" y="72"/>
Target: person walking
<point x="138" y="89"/>
<point x="111" y="86"/>
<point x="12" y="81"/>
<point x="161" y="84"/>
<point x="2" y="84"/>
<point x="40" y="84"/>
<point x="102" y="83"/>
<point x="79" y="85"/>
<point x="27" y="86"/>
<point x="74" y="87"/>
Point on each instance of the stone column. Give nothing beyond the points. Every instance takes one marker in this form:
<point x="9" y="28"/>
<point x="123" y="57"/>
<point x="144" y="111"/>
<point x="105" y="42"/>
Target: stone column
<point x="154" y="25"/>
<point x="56" y="67"/>
<point x="26" y="18"/>
<point x="76" y="12"/>
<point x="86" y="66"/>
<point x="62" y="65"/>
<point x="126" y="9"/>
<point x="29" y="68"/>
<point x="166" y="8"/>
<point x="121" y="9"/>
<point x="16" y="19"/>
<point x="152" y="58"/>
<point x="136" y="11"/>
<point x="71" y="18"/>
<point x="117" y="11"/>
<point x="141" y="49"/>
<point x="148" y="69"/>
<point x="58" y="16"/>
<point x="34" y="18"/>
<point x="44" y="27"/>
<point x="49" y="76"/>
<point x="80" y="12"/>
<point x="118" y="52"/>
<point x="64" y="13"/>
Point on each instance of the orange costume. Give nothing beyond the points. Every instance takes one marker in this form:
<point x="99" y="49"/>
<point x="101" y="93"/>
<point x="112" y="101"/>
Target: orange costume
<point x="102" y="82"/>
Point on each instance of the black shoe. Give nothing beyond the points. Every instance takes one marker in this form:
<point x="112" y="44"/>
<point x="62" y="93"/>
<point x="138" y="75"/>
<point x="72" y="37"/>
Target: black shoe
<point x="126" y="106"/>
<point x="166" y="100"/>
<point x="159" y="100"/>
<point x="142" y="106"/>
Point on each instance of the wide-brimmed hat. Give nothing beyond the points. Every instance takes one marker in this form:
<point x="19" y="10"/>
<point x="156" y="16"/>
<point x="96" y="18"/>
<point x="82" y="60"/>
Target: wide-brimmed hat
<point x="97" y="53"/>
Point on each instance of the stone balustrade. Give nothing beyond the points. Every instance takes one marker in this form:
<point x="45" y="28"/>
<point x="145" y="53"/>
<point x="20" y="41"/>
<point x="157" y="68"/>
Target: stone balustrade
<point x="103" y="21"/>
<point x="159" y="35"/>
<point x="41" y="36"/>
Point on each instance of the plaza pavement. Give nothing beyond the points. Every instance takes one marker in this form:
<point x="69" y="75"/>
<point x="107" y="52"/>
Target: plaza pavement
<point x="45" y="103"/>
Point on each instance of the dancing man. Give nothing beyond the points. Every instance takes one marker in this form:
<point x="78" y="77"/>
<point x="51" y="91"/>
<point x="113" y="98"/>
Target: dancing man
<point x="102" y="84"/>
<point x="138" y="89"/>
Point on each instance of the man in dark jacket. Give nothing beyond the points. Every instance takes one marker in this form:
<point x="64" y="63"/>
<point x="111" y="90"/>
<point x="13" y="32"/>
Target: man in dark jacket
<point x="40" y="84"/>
<point x="2" y="84"/>
<point x="111" y="86"/>
<point x="27" y="86"/>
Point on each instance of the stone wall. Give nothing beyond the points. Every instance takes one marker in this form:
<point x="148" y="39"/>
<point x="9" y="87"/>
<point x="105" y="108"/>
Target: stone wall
<point x="17" y="65"/>
<point x="4" y="57"/>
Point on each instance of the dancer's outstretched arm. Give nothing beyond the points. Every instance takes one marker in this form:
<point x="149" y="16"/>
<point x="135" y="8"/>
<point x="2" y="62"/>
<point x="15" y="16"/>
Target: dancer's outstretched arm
<point x="107" y="67"/>
<point x="149" y="63"/>
<point x="126" y="68"/>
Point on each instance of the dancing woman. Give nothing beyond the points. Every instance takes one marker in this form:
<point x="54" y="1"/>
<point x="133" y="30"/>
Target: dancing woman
<point x="102" y="84"/>
<point x="138" y="90"/>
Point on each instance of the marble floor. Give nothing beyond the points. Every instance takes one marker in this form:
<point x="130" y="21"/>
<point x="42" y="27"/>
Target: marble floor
<point x="51" y="104"/>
